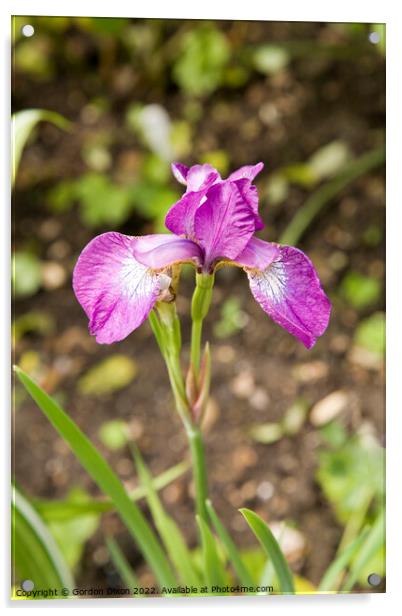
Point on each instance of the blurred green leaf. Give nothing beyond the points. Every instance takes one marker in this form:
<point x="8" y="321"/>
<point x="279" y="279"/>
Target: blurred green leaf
<point x="23" y="122"/>
<point x="218" y="159"/>
<point x="109" y="375"/>
<point x="232" y="319"/>
<point x="60" y="198"/>
<point x="102" y="201"/>
<point x="373" y="547"/>
<point x="370" y="333"/>
<point x="38" y="322"/>
<point x="35" y="553"/>
<point x="360" y="291"/>
<point x="114" y="434"/>
<point x="380" y="30"/>
<point x="272" y="549"/>
<point x="295" y="417"/>
<point x="330" y="580"/>
<point x="267" y="433"/>
<point x="214" y="572"/>
<point x="103" y="475"/>
<point x="204" y="53"/>
<point x="71" y="535"/>
<point x="329" y="159"/>
<point x="27" y="274"/>
<point x="334" y="434"/>
<point x="271" y="59"/>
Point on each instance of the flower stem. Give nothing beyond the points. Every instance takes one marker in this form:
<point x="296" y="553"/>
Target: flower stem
<point x="199" y="470"/>
<point x="200" y="304"/>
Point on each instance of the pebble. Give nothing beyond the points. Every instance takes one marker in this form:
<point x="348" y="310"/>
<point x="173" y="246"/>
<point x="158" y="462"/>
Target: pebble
<point x="310" y="372"/>
<point x="259" y="399"/>
<point x="53" y="275"/>
<point x="265" y="490"/>
<point x="329" y="407"/>
<point x="243" y="385"/>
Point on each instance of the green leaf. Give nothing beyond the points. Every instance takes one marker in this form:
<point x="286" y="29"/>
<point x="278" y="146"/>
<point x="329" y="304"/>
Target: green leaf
<point x="271" y="547"/>
<point x="106" y="479"/>
<point x="109" y="375"/>
<point x="374" y="542"/>
<point x="114" y="434"/>
<point x="329" y="159"/>
<point x="170" y="533"/>
<point x="370" y="333"/>
<point x="35" y="552"/>
<point x="360" y="291"/>
<point x="233" y="554"/>
<point x="271" y="59"/>
<point x="59" y="510"/>
<point x="120" y="562"/>
<point x="332" y="575"/>
<point x="214" y="571"/>
<point x="26" y="274"/>
<point x="23" y="122"/>
<point x="267" y="433"/>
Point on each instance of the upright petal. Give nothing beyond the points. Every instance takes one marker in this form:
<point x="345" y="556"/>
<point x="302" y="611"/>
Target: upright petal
<point x="180" y="217"/>
<point x="248" y="171"/>
<point x="115" y="290"/>
<point x="250" y="194"/>
<point x="180" y="172"/>
<point x="224" y="223"/>
<point x="289" y="290"/>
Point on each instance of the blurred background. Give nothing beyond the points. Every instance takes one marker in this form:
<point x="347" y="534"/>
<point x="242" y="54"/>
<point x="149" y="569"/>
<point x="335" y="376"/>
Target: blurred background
<point x="295" y="435"/>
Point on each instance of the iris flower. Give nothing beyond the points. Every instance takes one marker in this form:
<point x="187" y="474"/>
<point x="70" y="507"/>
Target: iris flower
<point x="119" y="278"/>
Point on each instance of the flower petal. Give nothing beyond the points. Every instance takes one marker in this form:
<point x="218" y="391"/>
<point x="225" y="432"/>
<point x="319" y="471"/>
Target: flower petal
<point x="115" y="290"/>
<point x="258" y="254"/>
<point x="224" y="223"/>
<point x="289" y="290"/>
<point x="248" y="171"/>
<point x="180" y="172"/>
<point x="200" y="177"/>
<point x="180" y="217"/>
<point x="250" y="194"/>
<point x="161" y="250"/>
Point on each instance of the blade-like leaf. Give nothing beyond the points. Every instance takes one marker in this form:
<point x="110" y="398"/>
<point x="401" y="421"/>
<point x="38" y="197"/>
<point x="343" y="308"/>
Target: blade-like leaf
<point x="373" y="542"/>
<point x="233" y="554"/>
<point x="331" y="577"/>
<point x="214" y="571"/>
<point x="170" y="533"/>
<point x="123" y="567"/>
<point x="23" y="123"/>
<point x="271" y="546"/>
<point x="36" y="555"/>
<point x="106" y="479"/>
<point x="61" y="510"/>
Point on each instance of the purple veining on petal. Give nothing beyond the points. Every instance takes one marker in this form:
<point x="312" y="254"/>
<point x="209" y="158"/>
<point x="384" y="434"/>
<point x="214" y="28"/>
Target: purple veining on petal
<point x="289" y="290"/>
<point x="224" y="223"/>
<point x="258" y="254"/>
<point x="180" y="172"/>
<point x="115" y="290"/>
<point x="248" y="171"/>
<point x="161" y="250"/>
<point x="250" y="194"/>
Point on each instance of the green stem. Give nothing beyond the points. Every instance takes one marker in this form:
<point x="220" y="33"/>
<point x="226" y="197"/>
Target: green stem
<point x="200" y="304"/>
<point x="196" y="442"/>
<point x="196" y="334"/>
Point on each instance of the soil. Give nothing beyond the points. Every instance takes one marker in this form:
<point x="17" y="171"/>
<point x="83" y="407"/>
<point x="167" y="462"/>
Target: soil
<point x="253" y="370"/>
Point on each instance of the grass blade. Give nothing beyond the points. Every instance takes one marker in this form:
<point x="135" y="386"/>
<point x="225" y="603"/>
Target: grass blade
<point x="374" y="541"/>
<point x="331" y="577"/>
<point x="170" y="533"/>
<point x="213" y="568"/>
<point x="233" y="554"/>
<point x="271" y="547"/>
<point x="61" y="510"/>
<point x="122" y="566"/>
<point x="106" y="479"/>
<point x="36" y="554"/>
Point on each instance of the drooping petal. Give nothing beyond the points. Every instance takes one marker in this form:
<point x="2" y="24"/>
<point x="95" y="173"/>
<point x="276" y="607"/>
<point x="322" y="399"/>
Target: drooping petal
<point x="258" y="254"/>
<point x="161" y="250"/>
<point x="289" y="290"/>
<point x="248" y="171"/>
<point x="180" y="172"/>
<point x="224" y="223"/>
<point x="115" y="290"/>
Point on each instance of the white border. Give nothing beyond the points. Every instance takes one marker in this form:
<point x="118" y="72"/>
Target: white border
<point x="285" y="10"/>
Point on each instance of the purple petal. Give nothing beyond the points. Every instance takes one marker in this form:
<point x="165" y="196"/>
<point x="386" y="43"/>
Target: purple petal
<point x="161" y="250"/>
<point x="180" y="217"/>
<point x="258" y="254"/>
<point x="201" y="177"/>
<point x="248" y="171"/>
<point x="180" y="172"/>
<point x="224" y="223"/>
<point x="115" y="290"/>
<point x="250" y="194"/>
<point x="289" y="290"/>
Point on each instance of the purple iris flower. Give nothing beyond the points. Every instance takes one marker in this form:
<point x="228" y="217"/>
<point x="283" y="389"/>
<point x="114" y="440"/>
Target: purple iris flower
<point x="119" y="278"/>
